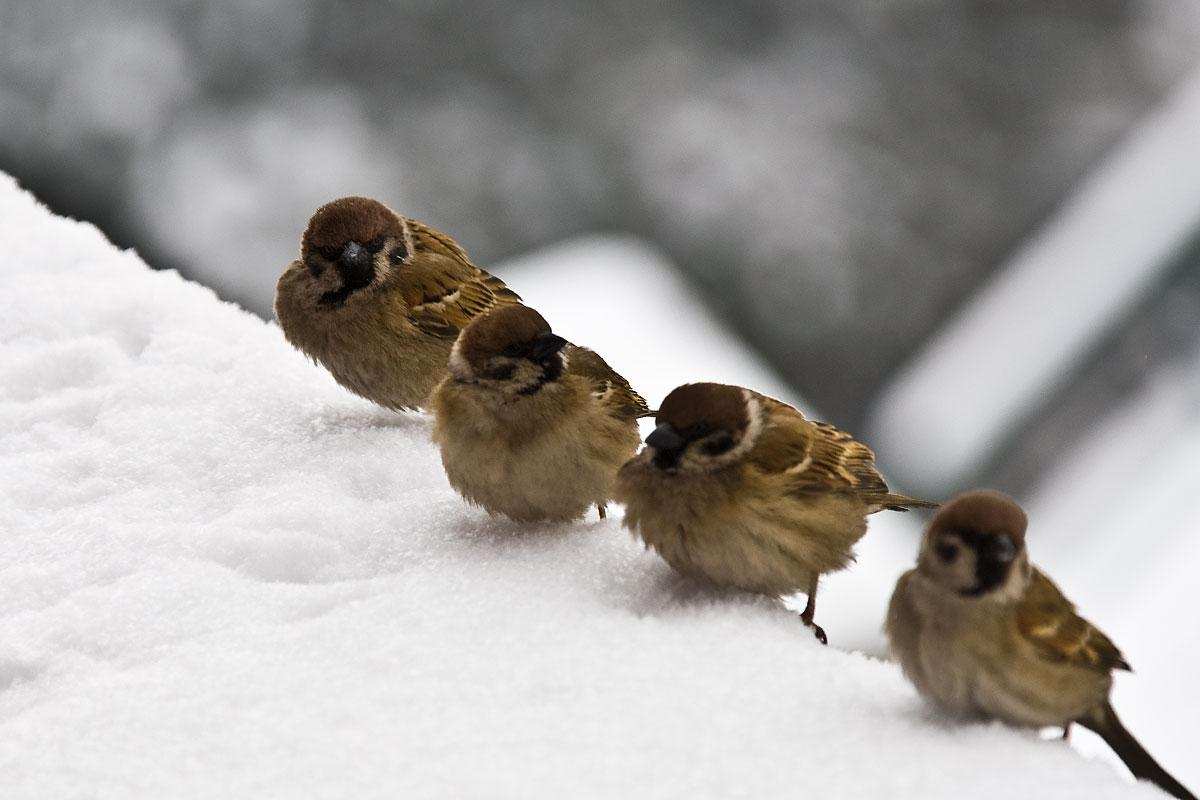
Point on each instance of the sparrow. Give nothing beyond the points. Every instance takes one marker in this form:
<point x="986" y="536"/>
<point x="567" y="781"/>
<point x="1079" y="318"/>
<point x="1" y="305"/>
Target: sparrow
<point x="529" y="425"/>
<point x="982" y="632"/>
<point x="378" y="299"/>
<point x="741" y="490"/>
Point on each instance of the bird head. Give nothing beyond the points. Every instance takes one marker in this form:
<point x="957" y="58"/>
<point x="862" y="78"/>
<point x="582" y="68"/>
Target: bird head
<point x="350" y="242"/>
<point x="510" y="349"/>
<point x="702" y="427"/>
<point x="975" y="546"/>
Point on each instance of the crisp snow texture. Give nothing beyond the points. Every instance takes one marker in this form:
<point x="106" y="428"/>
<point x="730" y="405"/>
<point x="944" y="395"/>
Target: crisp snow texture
<point x="223" y="576"/>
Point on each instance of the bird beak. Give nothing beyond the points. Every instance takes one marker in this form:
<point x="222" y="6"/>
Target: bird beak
<point x="355" y="258"/>
<point x="1002" y="549"/>
<point x="667" y="444"/>
<point x="544" y="346"/>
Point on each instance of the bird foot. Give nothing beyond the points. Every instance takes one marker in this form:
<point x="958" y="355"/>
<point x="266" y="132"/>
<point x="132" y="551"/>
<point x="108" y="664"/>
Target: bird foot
<point x="817" y="630"/>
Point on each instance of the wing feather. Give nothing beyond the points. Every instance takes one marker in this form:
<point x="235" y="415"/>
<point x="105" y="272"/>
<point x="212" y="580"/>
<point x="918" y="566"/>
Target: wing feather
<point x="443" y="290"/>
<point x="607" y="384"/>
<point x="818" y="457"/>
<point x="1047" y="619"/>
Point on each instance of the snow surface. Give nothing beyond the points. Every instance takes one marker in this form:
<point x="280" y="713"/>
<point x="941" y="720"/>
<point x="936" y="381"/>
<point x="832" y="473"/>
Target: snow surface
<point x="222" y="575"/>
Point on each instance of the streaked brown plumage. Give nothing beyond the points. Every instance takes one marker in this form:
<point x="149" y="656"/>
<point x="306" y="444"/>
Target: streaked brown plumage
<point x="529" y="425"/>
<point x="982" y="632"/>
<point x="741" y="490"/>
<point x="378" y="299"/>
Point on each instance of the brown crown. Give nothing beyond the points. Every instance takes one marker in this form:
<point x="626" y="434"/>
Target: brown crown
<point x="716" y="406"/>
<point x="498" y="330"/>
<point x="983" y="511"/>
<point x="347" y="219"/>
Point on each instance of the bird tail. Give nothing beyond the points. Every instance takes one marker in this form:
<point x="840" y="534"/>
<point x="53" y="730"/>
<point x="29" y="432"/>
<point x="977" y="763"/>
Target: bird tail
<point x="901" y="502"/>
<point x="1105" y="722"/>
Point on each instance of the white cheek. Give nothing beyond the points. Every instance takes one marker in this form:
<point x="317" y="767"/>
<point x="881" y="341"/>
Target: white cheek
<point x="458" y="365"/>
<point x="1017" y="581"/>
<point x="408" y="238"/>
<point x="383" y="268"/>
<point x="525" y="374"/>
<point x="754" y="413"/>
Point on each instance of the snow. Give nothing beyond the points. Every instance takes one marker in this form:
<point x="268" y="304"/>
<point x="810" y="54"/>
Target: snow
<point x="221" y="575"/>
<point x="1056" y="298"/>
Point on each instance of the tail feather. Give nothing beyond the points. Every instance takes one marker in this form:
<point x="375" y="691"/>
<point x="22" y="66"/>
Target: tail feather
<point x="900" y="502"/>
<point x="1105" y="722"/>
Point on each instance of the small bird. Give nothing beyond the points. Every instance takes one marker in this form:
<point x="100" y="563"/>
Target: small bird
<point x="740" y="489"/>
<point x="529" y="425"/>
<point x="982" y="632"/>
<point x="378" y="299"/>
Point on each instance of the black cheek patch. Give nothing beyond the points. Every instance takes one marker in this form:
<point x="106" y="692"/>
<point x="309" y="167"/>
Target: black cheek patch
<point x="718" y="445"/>
<point x="946" y="551"/>
<point x="552" y="369"/>
<point x="399" y="254"/>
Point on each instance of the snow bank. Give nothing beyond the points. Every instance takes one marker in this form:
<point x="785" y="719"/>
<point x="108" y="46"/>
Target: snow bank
<point x="221" y="575"/>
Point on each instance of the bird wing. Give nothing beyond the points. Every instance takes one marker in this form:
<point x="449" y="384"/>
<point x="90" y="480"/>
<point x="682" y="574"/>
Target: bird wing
<point x="1047" y="620"/>
<point x="816" y="456"/>
<point x="442" y="289"/>
<point x="612" y="390"/>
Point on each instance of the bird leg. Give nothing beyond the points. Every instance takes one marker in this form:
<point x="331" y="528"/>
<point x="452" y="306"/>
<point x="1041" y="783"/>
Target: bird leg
<point x="810" y="608"/>
<point x="602" y="510"/>
<point x="1066" y="737"/>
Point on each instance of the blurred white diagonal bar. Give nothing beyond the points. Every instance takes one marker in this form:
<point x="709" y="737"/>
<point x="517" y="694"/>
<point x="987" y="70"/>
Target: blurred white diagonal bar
<point x="1062" y="291"/>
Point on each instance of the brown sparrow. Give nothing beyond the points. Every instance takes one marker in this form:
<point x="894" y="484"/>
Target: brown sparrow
<point x="378" y="299"/>
<point x="982" y="632"/>
<point x="529" y="425"/>
<point x="742" y="490"/>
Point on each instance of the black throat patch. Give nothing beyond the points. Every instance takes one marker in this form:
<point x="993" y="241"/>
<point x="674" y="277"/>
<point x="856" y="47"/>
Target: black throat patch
<point x="352" y="281"/>
<point x="551" y="371"/>
<point x="990" y="570"/>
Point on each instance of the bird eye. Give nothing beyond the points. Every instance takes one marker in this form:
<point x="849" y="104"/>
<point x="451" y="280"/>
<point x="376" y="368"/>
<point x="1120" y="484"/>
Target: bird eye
<point x="946" y="551"/>
<point x="398" y="254"/>
<point x="717" y="445"/>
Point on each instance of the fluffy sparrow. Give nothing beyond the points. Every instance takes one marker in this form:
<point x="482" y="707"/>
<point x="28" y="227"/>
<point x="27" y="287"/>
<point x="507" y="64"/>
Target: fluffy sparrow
<point x="378" y="299"/>
<point x="742" y="490"/>
<point x="530" y="425"/>
<point x="982" y="632"/>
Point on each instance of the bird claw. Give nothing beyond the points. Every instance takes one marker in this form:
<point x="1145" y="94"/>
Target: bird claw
<point x="817" y="630"/>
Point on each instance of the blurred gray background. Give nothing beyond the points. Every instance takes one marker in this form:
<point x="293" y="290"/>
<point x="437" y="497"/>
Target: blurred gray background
<point x="837" y="178"/>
